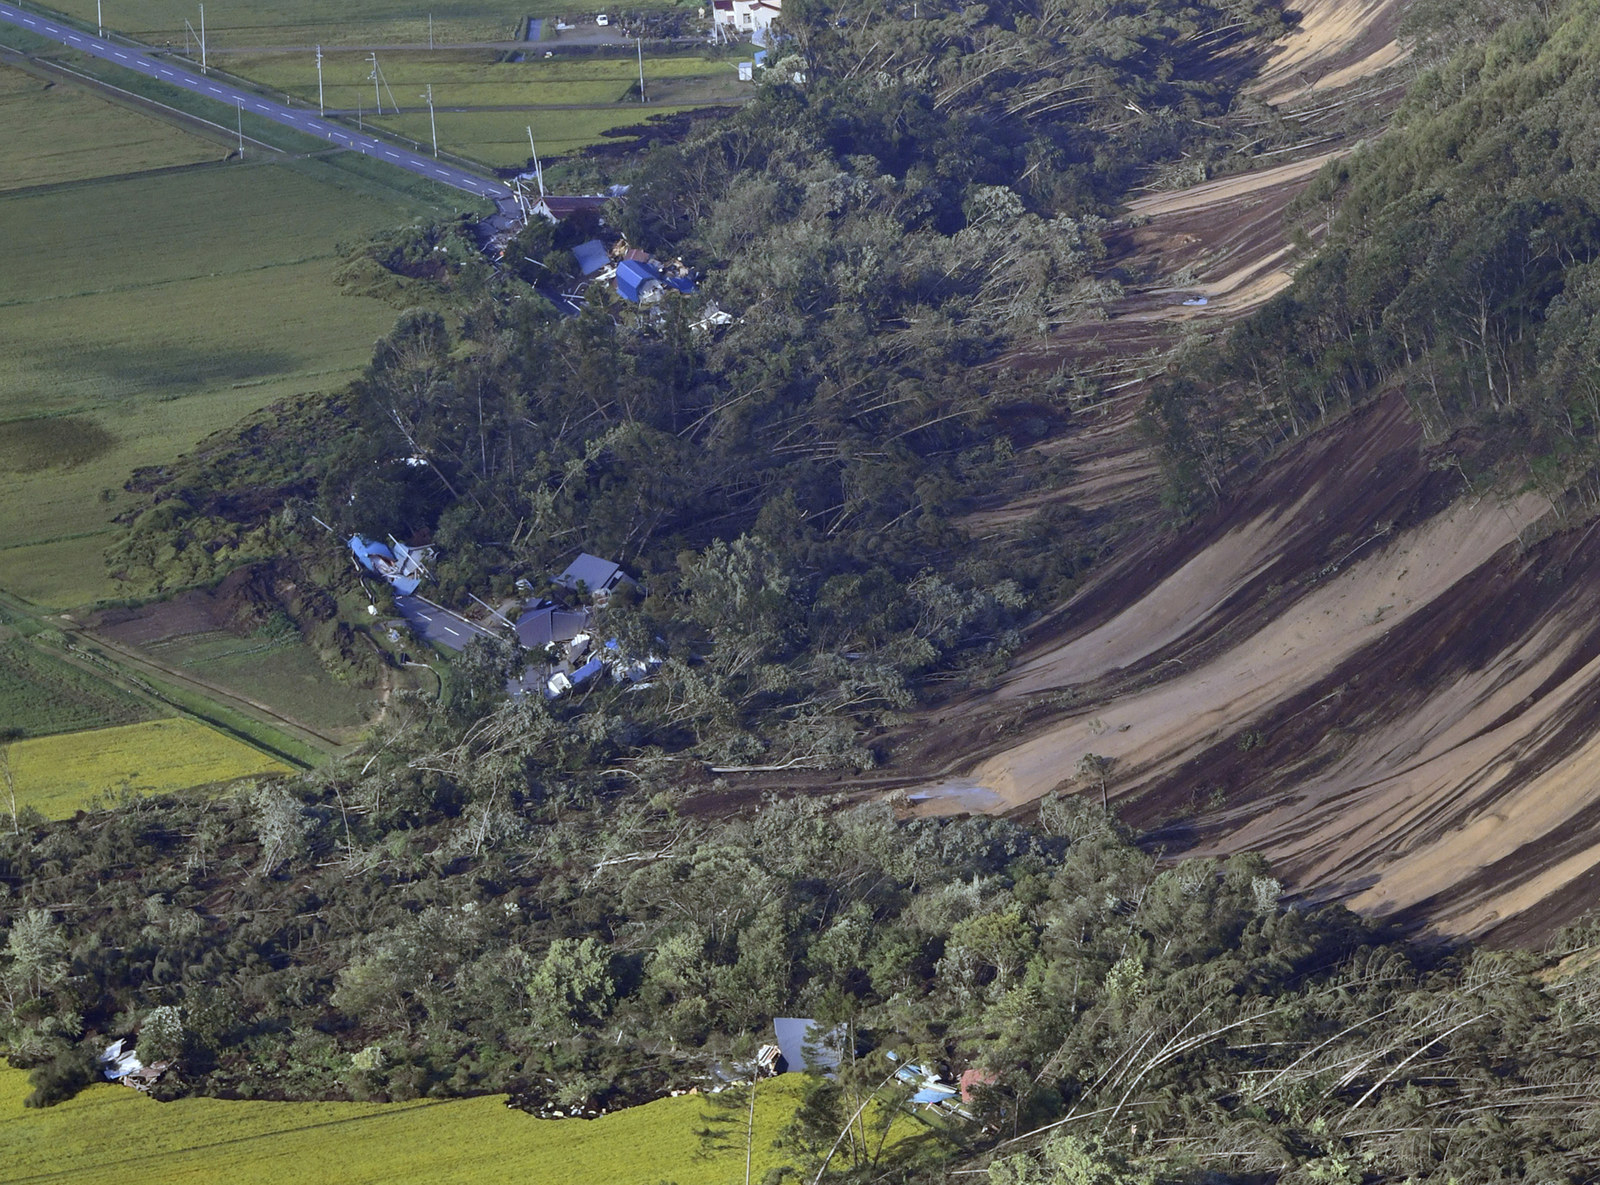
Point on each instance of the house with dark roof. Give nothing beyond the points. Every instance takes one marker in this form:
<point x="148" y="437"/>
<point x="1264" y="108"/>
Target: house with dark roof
<point x="591" y="574"/>
<point x="559" y="209"/>
<point x="544" y="623"/>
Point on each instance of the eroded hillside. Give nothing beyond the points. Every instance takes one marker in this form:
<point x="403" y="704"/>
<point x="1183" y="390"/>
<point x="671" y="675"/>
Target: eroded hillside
<point x="1372" y="663"/>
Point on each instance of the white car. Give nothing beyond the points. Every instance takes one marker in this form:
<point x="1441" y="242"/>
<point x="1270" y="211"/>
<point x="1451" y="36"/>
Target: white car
<point x="602" y="20"/>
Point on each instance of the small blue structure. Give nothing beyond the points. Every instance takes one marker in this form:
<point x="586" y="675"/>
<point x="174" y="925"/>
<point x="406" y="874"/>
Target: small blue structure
<point x="399" y="565"/>
<point x="591" y="256"/>
<point x="636" y="281"/>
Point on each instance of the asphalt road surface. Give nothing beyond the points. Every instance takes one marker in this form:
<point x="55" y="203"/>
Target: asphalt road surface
<point x="436" y="624"/>
<point x="232" y="97"/>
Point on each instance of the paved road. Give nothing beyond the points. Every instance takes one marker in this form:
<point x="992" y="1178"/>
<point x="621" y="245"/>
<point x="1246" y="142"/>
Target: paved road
<point x="301" y="121"/>
<point x="437" y="624"/>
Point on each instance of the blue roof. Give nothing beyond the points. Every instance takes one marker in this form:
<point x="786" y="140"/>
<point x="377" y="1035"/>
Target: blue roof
<point x="933" y="1094"/>
<point x="543" y="624"/>
<point x="366" y="550"/>
<point x="632" y="276"/>
<point x="588" y="670"/>
<point x="591" y="256"/>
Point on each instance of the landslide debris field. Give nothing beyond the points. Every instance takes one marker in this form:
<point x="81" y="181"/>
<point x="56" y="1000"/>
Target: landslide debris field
<point x="1361" y="666"/>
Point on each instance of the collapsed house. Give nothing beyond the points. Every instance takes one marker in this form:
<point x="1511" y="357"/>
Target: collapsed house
<point x="401" y="566"/>
<point x="121" y="1064"/>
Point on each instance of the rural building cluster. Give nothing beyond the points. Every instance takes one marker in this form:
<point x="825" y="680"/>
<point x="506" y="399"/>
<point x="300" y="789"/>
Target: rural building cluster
<point x="555" y="631"/>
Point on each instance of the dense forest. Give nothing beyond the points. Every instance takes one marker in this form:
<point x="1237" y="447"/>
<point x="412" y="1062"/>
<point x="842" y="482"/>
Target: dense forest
<point x="522" y="897"/>
<point x="789" y="488"/>
<point x="1458" y="266"/>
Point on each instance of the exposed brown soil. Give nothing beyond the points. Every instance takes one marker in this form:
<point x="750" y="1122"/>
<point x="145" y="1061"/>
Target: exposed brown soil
<point x="1378" y="677"/>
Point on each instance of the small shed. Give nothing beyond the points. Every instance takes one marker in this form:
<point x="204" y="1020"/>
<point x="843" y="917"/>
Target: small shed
<point x="637" y="282"/>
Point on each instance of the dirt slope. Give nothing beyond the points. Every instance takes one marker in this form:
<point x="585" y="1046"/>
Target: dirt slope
<point x="1386" y="681"/>
<point x="1382" y="680"/>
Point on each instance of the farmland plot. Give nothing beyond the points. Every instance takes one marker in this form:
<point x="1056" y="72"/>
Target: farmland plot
<point x="59" y="775"/>
<point x="56" y="134"/>
<point x="198" y="298"/>
<point x="436" y="1142"/>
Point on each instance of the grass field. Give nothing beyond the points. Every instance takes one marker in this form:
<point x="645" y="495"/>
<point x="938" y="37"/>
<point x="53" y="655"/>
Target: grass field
<point x="500" y="138"/>
<point x="197" y="298"/>
<point x="355" y="22"/>
<point x="544" y="91"/>
<point x="54" y="134"/>
<point x="40" y="695"/>
<point x="110" y="1134"/>
<point x="59" y="775"/>
<point x="281" y="672"/>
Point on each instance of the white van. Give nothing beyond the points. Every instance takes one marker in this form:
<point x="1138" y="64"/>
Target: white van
<point x="602" y="20"/>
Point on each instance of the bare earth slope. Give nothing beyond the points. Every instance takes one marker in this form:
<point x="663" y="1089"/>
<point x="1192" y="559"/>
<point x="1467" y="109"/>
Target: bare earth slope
<point x="1379" y="677"/>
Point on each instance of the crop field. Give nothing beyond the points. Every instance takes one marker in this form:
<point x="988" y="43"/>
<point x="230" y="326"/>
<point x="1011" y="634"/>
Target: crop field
<point x="111" y="1134"/>
<point x="464" y="78"/>
<point x="40" y="695"/>
<point x="61" y="774"/>
<point x="281" y="672"/>
<point x="570" y="103"/>
<point x="143" y="313"/>
<point x="55" y="134"/>
<point x="500" y="138"/>
<point x="358" y="22"/>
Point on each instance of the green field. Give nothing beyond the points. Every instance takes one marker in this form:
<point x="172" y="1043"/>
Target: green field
<point x="280" y="671"/>
<point x="55" y="133"/>
<point x="356" y="22"/>
<point x="59" y="775"/>
<point x="542" y="92"/>
<point x="464" y="78"/>
<point x="40" y="695"/>
<point x="111" y="1134"/>
<point x="197" y="298"/>
<point x="500" y="138"/>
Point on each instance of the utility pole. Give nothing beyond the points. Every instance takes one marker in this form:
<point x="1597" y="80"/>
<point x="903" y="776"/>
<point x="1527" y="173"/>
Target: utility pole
<point x="376" y="94"/>
<point x="321" y="109"/>
<point x="639" y="41"/>
<point x="538" y="169"/>
<point x="99" y="18"/>
<point x="203" y="69"/>
<point x="431" y="124"/>
<point x="430" y="30"/>
<point x="240" y="103"/>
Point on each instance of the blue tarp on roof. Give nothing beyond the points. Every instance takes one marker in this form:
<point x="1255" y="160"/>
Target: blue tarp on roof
<point x="591" y="256"/>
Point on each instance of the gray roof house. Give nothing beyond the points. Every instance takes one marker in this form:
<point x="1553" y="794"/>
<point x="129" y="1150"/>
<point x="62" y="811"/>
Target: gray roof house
<point x="600" y="577"/>
<point x="540" y="625"/>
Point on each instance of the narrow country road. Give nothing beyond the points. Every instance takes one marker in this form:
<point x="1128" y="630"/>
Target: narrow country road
<point x="300" y="121"/>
